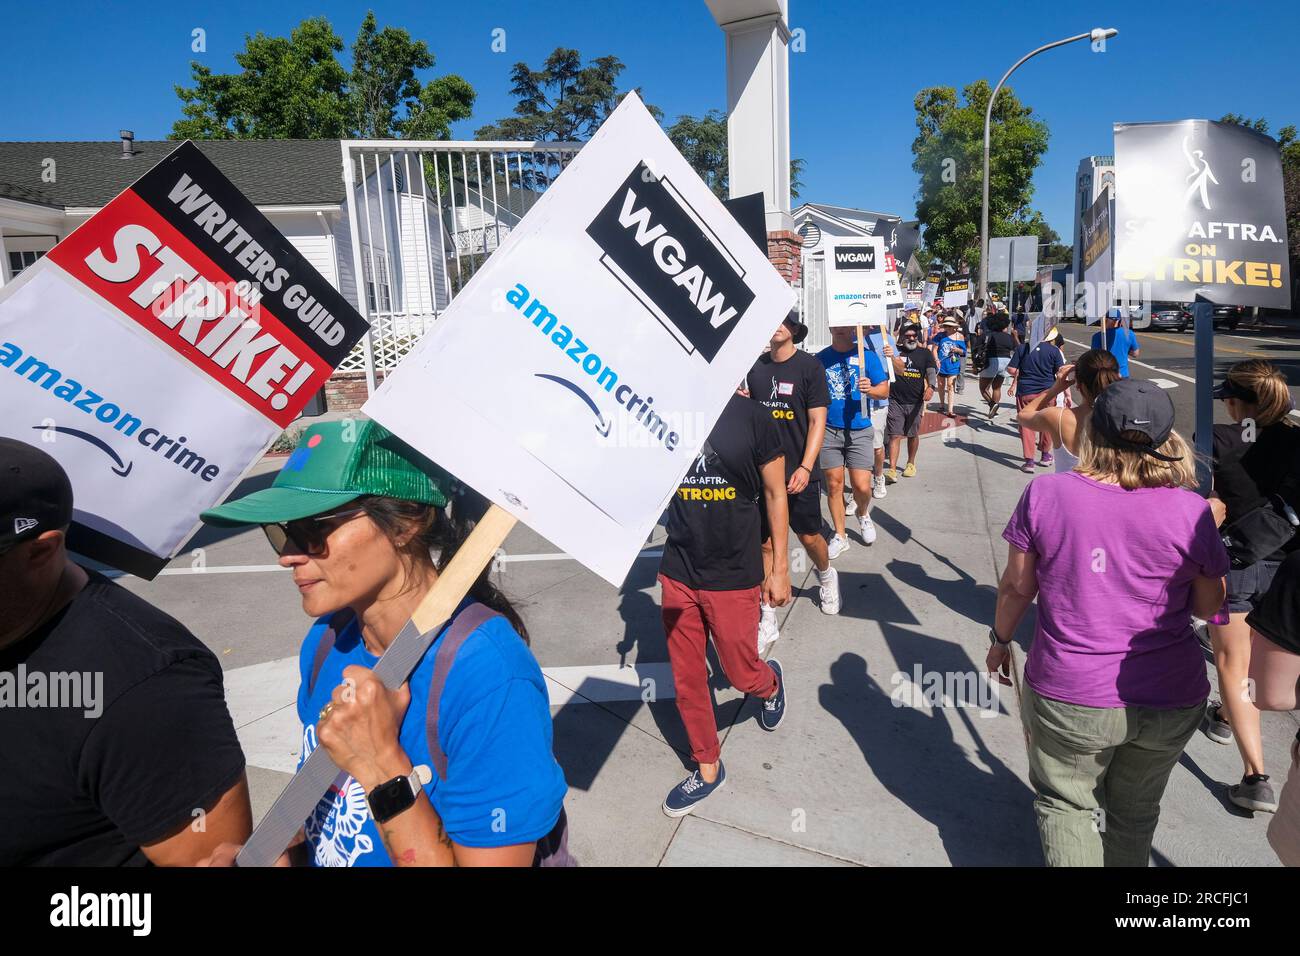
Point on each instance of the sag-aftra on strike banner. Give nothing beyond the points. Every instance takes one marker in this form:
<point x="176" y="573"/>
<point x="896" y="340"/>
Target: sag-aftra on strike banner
<point x="1199" y="209"/>
<point x="576" y="376"/>
<point x="158" y="350"/>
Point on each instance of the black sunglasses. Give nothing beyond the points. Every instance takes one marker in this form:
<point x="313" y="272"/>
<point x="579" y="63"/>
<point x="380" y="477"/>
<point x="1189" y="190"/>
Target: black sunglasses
<point x="308" y="535"/>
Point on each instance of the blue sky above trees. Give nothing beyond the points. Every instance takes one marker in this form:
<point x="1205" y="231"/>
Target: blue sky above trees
<point x="82" y="70"/>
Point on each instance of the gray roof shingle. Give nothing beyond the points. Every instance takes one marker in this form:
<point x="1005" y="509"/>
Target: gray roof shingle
<point x="270" y="172"/>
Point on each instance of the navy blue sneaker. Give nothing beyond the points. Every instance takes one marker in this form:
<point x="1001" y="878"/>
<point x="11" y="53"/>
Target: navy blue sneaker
<point x="684" y="797"/>
<point x="773" y="711"/>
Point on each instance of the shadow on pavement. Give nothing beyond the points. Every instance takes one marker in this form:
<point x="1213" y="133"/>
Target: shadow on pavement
<point x="1216" y="789"/>
<point x="981" y="809"/>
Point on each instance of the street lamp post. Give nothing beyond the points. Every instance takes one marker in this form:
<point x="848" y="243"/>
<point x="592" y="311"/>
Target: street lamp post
<point x="1095" y="35"/>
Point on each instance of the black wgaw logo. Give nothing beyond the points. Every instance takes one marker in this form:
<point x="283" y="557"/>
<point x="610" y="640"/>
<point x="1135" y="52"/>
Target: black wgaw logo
<point x="660" y="248"/>
<point x="861" y="258"/>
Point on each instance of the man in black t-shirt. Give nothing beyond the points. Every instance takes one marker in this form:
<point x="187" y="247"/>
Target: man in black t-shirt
<point x="915" y="377"/>
<point x="712" y="577"/>
<point x="791" y="384"/>
<point x="118" y="747"/>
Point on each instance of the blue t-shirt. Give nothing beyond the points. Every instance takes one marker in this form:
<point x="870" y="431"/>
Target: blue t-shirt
<point x="876" y="404"/>
<point x="1120" y="341"/>
<point x="950" y="349"/>
<point x="1037" y="367"/>
<point x="845" y="410"/>
<point x="503" y="785"/>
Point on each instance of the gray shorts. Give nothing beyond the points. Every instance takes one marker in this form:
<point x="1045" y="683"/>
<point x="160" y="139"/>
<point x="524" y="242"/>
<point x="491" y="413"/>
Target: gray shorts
<point x="904" y="420"/>
<point x="848" y="447"/>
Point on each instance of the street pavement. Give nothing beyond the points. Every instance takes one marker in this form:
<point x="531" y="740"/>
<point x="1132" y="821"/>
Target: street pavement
<point x="865" y="770"/>
<point x="1169" y="359"/>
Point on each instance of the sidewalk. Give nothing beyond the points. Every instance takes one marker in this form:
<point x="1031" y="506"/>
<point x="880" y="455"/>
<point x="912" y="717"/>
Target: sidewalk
<point x="852" y="778"/>
<point x="849" y="778"/>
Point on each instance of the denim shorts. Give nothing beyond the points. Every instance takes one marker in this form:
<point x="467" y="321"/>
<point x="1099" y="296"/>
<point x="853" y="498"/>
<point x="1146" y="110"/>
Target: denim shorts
<point x="1246" y="586"/>
<point x="996" y="368"/>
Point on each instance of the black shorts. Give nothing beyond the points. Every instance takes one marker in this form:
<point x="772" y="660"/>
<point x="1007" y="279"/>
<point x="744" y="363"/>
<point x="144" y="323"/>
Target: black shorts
<point x="1246" y="586"/>
<point x="805" y="511"/>
<point x="1277" y="612"/>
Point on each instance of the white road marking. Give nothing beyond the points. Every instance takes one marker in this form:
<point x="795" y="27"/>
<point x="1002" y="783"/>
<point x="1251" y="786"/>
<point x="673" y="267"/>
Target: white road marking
<point x="1163" y="383"/>
<point x="1167" y="371"/>
<point x="263" y="702"/>
<point x="1133" y="361"/>
<point x="507" y="558"/>
<point x="607" y="683"/>
<point x="254" y="568"/>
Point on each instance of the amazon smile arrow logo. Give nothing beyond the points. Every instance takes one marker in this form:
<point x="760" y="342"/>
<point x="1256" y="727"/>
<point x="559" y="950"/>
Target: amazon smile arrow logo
<point x="122" y="469"/>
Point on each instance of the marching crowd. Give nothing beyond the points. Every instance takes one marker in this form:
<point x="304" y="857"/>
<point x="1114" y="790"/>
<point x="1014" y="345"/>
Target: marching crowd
<point x="1115" y="545"/>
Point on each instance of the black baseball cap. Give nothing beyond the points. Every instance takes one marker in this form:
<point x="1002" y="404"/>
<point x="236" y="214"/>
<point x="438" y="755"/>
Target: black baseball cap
<point x="35" y="493"/>
<point x="1134" y="405"/>
<point x="910" y="327"/>
<point x="798" y="331"/>
<point x="1230" y="389"/>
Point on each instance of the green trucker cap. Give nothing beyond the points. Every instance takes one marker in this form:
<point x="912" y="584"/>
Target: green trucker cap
<point x="334" y="463"/>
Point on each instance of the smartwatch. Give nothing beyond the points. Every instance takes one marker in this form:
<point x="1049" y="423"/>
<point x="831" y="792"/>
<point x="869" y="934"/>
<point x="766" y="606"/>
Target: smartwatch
<point x="994" y="639"/>
<point x="397" y="795"/>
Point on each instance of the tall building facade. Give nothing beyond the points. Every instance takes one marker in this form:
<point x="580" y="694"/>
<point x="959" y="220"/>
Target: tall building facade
<point x="1096" y="173"/>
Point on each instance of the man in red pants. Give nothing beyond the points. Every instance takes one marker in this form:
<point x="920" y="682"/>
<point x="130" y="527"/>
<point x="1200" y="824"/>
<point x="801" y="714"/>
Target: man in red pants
<point x="712" y="578"/>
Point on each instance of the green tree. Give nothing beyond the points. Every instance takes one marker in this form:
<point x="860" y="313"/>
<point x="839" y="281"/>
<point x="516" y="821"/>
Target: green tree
<point x="702" y="142"/>
<point x="387" y="97"/>
<point x="948" y="156"/>
<point x="564" y="100"/>
<point x="295" y="88"/>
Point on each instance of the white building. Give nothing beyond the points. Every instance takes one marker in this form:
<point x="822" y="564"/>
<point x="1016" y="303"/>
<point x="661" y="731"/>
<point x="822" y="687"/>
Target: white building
<point x="1096" y="173"/>
<point x="420" y="236"/>
<point x="816" y="223"/>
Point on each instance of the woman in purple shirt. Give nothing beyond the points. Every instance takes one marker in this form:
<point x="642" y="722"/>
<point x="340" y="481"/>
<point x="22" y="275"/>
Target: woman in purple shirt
<point x="1121" y="553"/>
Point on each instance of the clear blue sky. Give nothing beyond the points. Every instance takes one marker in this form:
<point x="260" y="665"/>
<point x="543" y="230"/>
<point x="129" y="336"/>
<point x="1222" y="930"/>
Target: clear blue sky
<point x="78" y="70"/>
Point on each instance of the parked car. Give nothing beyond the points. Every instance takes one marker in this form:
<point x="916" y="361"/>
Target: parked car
<point x="1227" y="316"/>
<point x="1174" y="318"/>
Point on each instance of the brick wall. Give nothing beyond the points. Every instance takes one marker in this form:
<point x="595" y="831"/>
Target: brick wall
<point x="345" y="391"/>
<point x="783" y="252"/>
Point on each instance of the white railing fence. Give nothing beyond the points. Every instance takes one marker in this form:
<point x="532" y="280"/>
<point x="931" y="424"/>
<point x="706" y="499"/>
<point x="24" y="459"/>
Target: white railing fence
<point x="421" y="218"/>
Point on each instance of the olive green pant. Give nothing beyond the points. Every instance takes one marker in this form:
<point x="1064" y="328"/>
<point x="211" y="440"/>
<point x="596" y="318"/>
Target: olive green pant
<point x="1098" y="774"/>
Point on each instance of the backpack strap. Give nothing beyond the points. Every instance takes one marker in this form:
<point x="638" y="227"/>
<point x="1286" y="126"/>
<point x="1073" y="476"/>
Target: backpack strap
<point x="462" y="626"/>
<point x="337" y="623"/>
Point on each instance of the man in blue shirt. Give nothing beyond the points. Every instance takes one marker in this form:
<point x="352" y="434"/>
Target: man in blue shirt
<point x="1121" y="343"/>
<point x="849" y="441"/>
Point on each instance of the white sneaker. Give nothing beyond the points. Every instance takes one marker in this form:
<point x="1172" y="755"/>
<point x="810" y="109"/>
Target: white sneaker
<point x="830" y="591"/>
<point x="878" y="487"/>
<point x="837" y="546"/>
<point x="868" y="529"/>
<point x="768" y="630"/>
<point x="850" y="506"/>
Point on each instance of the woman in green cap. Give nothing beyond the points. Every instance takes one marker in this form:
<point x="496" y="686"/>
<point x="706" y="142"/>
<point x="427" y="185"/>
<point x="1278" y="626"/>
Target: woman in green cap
<point x="455" y="767"/>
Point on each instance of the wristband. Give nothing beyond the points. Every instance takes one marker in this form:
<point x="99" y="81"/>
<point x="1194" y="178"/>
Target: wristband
<point x="805" y="468"/>
<point x="994" y="639"/>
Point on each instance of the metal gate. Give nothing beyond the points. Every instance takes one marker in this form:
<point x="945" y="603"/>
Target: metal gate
<point x="812" y="301"/>
<point x="422" y="216"/>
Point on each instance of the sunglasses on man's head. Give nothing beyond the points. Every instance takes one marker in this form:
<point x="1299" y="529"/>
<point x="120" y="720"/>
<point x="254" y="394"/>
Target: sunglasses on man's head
<point x="308" y="535"/>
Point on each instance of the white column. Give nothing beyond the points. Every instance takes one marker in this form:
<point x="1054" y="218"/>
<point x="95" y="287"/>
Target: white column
<point x="758" y="103"/>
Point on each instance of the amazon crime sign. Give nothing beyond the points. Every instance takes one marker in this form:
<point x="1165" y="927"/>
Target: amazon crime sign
<point x="1200" y="211"/>
<point x="158" y="350"/>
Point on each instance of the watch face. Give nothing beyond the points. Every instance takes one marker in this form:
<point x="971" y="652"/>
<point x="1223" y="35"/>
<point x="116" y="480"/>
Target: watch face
<point x="389" y="799"/>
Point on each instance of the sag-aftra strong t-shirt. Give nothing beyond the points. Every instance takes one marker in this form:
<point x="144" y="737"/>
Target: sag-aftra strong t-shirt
<point x="789" y="390"/>
<point x="713" y="522"/>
